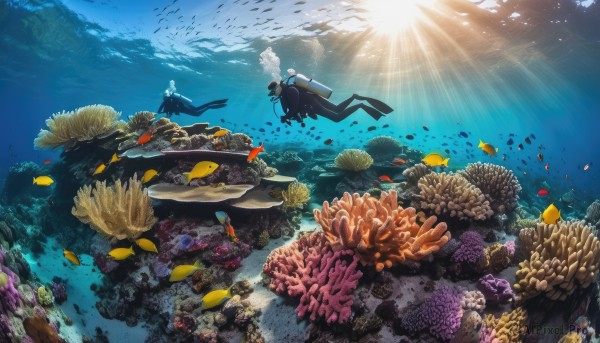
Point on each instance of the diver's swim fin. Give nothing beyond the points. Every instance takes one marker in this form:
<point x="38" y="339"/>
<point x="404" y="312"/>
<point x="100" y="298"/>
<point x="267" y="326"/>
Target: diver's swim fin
<point x="213" y="106"/>
<point x="372" y="112"/>
<point x="378" y="104"/>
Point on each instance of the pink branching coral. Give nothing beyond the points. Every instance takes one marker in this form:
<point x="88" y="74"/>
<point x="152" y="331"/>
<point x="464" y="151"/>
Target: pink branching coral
<point x="323" y="279"/>
<point x="380" y="232"/>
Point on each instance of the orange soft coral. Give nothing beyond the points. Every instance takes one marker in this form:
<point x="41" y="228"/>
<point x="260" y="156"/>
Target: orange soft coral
<point x="381" y="232"/>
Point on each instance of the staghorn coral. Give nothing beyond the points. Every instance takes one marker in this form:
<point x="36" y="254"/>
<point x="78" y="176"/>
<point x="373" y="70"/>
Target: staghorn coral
<point x="140" y="121"/>
<point x="564" y="258"/>
<point x="500" y="185"/>
<point x="453" y="195"/>
<point x="383" y="145"/>
<point x="296" y="195"/>
<point x="119" y="212"/>
<point x="323" y="279"/>
<point x="510" y="327"/>
<point x="353" y="160"/>
<point x="83" y="124"/>
<point x="381" y="232"/>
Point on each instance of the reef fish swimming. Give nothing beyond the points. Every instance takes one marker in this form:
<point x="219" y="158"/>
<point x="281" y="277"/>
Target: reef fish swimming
<point x="119" y="254"/>
<point x="43" y="181"/>
<point x="551" y="215"/>
<point x="254" y="152"/>
<point x="146" y="245"/>
<point x="200" y="170"/>
<point x="487" y="148"/>
<point x="71" y="256"/>
<point x="215" y="298"/>
<point x="435" y="160"/>
<point x="181" y="272"/>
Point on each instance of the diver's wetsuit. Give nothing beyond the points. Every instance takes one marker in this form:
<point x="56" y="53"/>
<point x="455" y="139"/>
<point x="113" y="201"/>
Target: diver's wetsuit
<point x="297" y="102"/>
<point x="176" y="103"/>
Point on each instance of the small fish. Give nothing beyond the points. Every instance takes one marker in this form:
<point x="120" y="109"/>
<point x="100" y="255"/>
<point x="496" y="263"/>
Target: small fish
<point x="354" y="123"/>
<point x="435" y="160"/>
<point x="215" y="298"/>
<point x="463" y="134"/>
<point x="119" y="254"/>
<point x="527" y="140"/>
<point x="146" y="245"/>
<point x="532" y="136"/>
<point x="542" y="193"/>
<point x="328" y="141"/>
<point x="254" y="152"/>
<point x="540" y="157"/>
<point x="47" y="161"/>
<point x="220" y="133"/>
<point x="425" y="128"/>
<point x="385" y="126"/>
<point x="43" y="181"/>
<point x="371" y="128"/>
<point x="145" y="138"/>
<point x="509" y="141"/>
<point x="547" y="167"/>
<point x="551" y="215"/>
<point x="487" y="148"/>
<point x="586" y="167"/>
<point x="149" y="175"/>
<point x="181" y="272"/>
<point x="520" y="147"/>
<point x="114" y="158"/>
<point x="99" y="169"/>
<point x="71" y="256"/>
<point x="200" y="170"/>
<point x="385" y="178"/>
<point x="410" y="137"/>
<point x="224" y="219"/>
<point x="269" y="123"/>
<point x="469" y="144"/>
<point x="398" y="162"/>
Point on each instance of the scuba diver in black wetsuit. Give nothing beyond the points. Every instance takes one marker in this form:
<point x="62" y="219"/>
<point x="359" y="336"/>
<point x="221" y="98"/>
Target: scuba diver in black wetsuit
<point x="306" y="97"/>
<point x="175" y="103"/>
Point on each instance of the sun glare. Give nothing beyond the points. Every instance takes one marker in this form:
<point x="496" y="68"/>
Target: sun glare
<point x="393" y="16"/>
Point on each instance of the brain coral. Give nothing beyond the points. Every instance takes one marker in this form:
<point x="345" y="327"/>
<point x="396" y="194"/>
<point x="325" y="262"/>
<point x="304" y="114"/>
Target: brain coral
<point x="453" y="195"/>
<point x="383" y="145"/>
<point x="500" y="185"/>
<point x="381" y="232"/>
<point x="353" y="160"/>
<point x="564" y="257"/>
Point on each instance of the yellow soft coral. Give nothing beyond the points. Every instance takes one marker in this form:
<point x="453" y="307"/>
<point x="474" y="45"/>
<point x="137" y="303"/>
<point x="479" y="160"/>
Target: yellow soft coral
<point x="381" y="232"/>
<point x="353" y="160"/>
<point x="296" y="195"/>
<point x="564" y="257"/>
<point x="510" y="327"/>
<point x="83" y="124"/>
<point x="119" y="212"/>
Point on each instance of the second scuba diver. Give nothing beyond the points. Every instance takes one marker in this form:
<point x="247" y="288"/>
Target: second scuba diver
<point x="175" y="103"/>
<point x="306" y="97"/>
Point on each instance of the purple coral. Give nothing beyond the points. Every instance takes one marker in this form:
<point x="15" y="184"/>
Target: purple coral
<point x="10" y="298"/>
<point x="441" y="313"/>
<point x="323" y="279"/>
<point x="471" y="248"/>
<point x="495" y="290"/>
<point x="59" y="292"/>
<point x="510" y="246"/>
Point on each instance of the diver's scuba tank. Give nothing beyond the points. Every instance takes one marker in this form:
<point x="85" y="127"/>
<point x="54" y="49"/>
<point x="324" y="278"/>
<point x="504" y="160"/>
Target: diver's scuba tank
<point x="310" y="85"/>
<point x="181" y="97"/>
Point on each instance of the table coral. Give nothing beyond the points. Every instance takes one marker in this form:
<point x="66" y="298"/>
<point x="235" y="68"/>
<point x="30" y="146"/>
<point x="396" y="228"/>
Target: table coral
<point x="380" y="232"/>
<point x="323" y="279"/>
<point x="564" y="257"/>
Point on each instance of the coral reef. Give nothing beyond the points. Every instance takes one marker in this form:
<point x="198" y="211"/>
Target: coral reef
<point x="353" y="160"/>
<point x="296" y="195"/>
<point x="497" y="258"/>
<point x="381" y="232"/>
<point x="564" y="257"/>
<point x="510" y="327"/>
<point x="18" y="181"/>
<point x="495" y="290"/>
<point x="45" y="297"/>
<point x="473" y="301"/>
<point x="140" y="121"/>
<point x="323" y="279"/>
<point x="414" y="173"/>
<point x="471" y="249"/>
<point x="500" y="185"/>
<point x="83" y="124"/>
<point x="453" y="195"/>
<point x="592" y="214"/>
<point x="382" y="147"/>
<point x="119" y="212"/>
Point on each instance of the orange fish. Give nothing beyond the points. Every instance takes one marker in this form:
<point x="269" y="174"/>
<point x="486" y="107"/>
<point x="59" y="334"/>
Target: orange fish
<point x="547" y="166"/>
<point x="254" y="152"/>
<point x="397" y="162"/>
<point x="385" y="178"/>
<point x="226" y="222"/>
<point x="47" y="161"/>
<point x="145" y="138"/>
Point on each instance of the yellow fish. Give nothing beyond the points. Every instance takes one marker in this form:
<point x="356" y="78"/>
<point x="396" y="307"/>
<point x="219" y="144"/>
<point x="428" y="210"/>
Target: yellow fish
<point x="551" y="215"/>
<point x="215" y="298"/>
<point x="99" y="169"/>
<point x="149" y="175"/>
<point x="114" y="158"/>
<point x="69" y="255"/>
<point x="43" y="181"/>
<point x="220" y="133"/>
<point x="181" y="272"/>
<point x="146" y="244"/>
<point x="435" y="160"/>
<point x="200" y="170"/>
<point x="119" y="254"/>
<point x="487" y="148"/>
